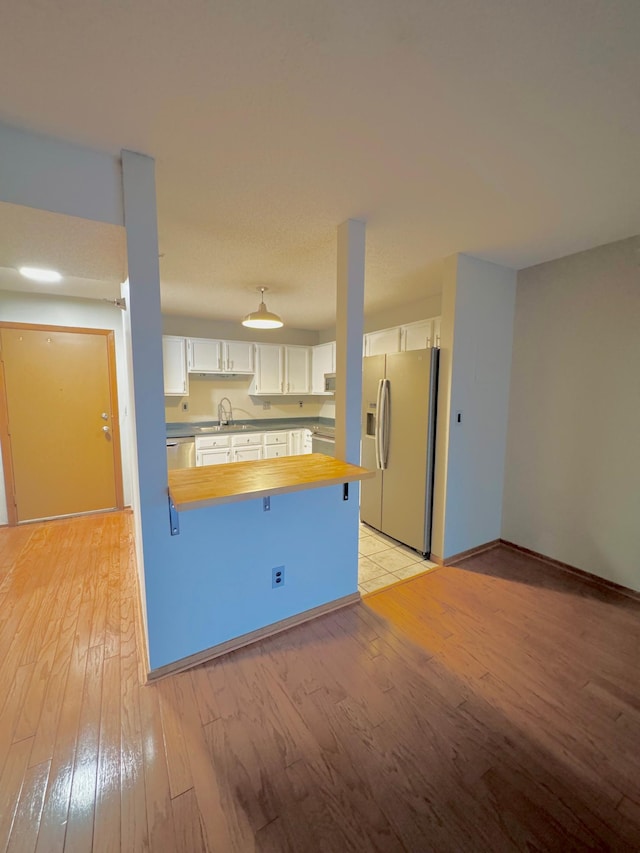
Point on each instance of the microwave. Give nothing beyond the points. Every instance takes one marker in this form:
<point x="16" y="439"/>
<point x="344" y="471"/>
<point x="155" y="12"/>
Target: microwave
<point x="330" y="382"/>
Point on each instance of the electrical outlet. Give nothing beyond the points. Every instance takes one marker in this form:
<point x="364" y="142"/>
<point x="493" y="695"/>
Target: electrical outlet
<point x="266" y="405"/>
<point x="185" y="406"/>
<point x="277" y="577"/>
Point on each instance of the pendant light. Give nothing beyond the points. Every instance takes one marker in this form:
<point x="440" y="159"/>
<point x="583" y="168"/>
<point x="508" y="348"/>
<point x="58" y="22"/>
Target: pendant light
<point x="262" y="318"/>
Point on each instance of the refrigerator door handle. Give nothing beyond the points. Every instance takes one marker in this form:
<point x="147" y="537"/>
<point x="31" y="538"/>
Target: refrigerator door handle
<point x="378" y="433"/>
<point x="385" y="418"/>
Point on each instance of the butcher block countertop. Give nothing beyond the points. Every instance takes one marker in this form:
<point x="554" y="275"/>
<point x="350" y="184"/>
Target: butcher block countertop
<point x="209" y="485"/>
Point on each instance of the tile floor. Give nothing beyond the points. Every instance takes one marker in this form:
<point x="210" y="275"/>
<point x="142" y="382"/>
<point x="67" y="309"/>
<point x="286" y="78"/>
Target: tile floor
<point x="383" y="561"/>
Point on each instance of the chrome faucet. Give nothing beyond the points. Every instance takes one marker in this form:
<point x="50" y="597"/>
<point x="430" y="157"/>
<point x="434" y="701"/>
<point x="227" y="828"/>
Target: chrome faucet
<point x="225" y="416"/>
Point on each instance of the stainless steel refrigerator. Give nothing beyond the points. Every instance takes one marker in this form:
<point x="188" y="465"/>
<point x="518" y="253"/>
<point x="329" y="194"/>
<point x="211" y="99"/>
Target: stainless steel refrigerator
<point x="398" y="440"/>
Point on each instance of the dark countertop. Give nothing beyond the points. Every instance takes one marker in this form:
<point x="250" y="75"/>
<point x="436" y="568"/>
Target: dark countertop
<point x="189" y="430"/>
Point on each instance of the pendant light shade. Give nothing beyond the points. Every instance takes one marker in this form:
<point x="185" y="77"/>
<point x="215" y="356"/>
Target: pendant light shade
<point x="262" y="318"/>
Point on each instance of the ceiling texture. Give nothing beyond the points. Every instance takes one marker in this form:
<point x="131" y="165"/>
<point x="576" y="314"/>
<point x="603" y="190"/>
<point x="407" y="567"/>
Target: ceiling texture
<point x="507" y="129"/>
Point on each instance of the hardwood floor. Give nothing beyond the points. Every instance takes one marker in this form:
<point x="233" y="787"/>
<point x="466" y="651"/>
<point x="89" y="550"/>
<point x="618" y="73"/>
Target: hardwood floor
<point x="490" y="707"/>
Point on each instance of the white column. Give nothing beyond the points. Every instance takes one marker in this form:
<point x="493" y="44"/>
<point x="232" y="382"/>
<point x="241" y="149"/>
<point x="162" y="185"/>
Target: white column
<point x="349" y="329"/>
<point x="143" y="329"/>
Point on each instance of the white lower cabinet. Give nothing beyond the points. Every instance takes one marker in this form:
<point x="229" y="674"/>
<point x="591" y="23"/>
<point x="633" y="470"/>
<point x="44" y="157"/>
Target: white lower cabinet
<point x="276" y="444"/>
<point x="251" y="446"/>
<point x="213" y="449"/>
<point x="247" y="447"/>
<point x="307" y="446"/>
<point x="295" y="442"/>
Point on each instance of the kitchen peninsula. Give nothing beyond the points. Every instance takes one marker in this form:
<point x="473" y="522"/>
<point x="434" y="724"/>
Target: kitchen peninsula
<point x="193" y="488"/>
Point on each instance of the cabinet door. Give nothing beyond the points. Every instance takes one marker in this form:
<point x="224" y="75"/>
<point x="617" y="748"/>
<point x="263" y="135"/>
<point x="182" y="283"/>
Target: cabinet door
<point x="323" y="360"/>
<point x="295" y="442"/>
<point x="298" y="363"/>
<point x="174" y="366"/>
<point x="238" y="357"/>
<point x="436" y="331"/>
<point x="382" y="342"/>
<point x="204" y="355"/>
<point x="247" y="454"/>
<point x="213" y="457"/>
<point x="269" y="376"/>
<point x="307" y="446"/>
<point x="417" y="335"/>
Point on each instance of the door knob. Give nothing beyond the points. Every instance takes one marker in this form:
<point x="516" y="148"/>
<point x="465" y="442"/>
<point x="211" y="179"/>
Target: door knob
<point x="105" y="429"/>
<point x="105" y="416"/>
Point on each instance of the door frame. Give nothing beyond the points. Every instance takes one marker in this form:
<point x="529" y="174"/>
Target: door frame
<point x="5" y="437"/>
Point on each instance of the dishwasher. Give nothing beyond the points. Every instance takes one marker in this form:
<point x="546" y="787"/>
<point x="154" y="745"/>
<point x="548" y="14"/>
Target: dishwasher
<point x="181" y="453"/>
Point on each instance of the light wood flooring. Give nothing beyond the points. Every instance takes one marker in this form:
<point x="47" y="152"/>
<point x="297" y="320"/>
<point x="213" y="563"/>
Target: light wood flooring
<point x="490" y="707"/>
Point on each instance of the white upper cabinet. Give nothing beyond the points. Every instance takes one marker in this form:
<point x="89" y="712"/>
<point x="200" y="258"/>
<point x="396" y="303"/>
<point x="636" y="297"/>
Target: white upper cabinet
<point x="174" y="366"/>
<point x="417" y="335"/>
<point x="297" y="370"/>
<point x="323" y="360"/>
<point x="436" y="331"/>
<point x="269" y="378"/>
<point x="382" y="342"/>
<point x="204" y="355"/>
<point x="209" y="356"/>
<point x="238" y="357"/>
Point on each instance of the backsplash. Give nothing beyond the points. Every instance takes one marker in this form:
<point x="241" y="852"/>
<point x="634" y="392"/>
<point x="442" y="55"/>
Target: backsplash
<point x="205" y="392"/>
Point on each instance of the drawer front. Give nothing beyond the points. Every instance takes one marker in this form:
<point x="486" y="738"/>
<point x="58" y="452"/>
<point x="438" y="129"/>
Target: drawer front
<point x="251" y="438"/>
<point x="274" y="451"/>
<point x="212" y="457"/>
<point x="210" y="442"/>
<point x="276" y="437"/>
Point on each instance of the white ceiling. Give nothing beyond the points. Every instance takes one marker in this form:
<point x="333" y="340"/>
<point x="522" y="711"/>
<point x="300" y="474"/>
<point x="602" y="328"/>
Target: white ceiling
<point x="508" y="129"/>
<point x="89" y="255"/>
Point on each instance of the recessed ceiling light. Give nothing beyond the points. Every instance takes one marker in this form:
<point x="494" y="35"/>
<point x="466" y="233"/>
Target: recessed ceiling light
<point x="38" y="274"/>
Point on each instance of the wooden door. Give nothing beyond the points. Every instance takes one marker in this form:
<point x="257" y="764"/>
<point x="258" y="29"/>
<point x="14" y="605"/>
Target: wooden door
<point x="60" y="436"/>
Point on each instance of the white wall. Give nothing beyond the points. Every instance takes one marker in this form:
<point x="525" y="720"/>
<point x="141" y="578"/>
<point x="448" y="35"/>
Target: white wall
<point x="572" y="484"/>
<point x="90" y="314"/>
<point x="52" y="174"/>
<point x="476" y="337"/>
<point x="205" y="392"/>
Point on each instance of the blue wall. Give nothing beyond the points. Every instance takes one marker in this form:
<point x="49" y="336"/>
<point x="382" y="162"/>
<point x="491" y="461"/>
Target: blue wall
<point x="213" y="582"/>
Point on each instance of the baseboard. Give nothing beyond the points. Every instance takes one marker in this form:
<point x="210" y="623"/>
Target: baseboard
<point x="252" y="637"/>
<point x="456" y="558"/>
<point x="596" y="580"/>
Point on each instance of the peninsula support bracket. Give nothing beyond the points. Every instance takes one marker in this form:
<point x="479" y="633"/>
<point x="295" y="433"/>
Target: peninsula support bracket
<point x="174" y="519"/>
